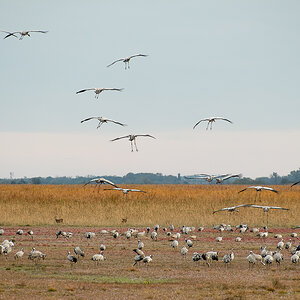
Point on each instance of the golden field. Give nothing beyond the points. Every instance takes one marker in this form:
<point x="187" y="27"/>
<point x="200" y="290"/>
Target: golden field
<point x="191" y="205"/>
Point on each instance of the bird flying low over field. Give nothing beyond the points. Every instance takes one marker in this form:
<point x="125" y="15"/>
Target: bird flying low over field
<point x="99" y="90"/>
<point x="266" y="208"/>
<point x="125" y="191"/>
<point x="126" y="60"/>
<point x="259" y="189"/>
<point x="21" y="33"/>
<point x="211" y="121"/>
<point x="102" y="120"/>
<point x="207" y="177"/>
<point x="132" y="138"/>
<point x="295" y="183"/>
<point x="99" y="181"/>
<point x="233" y="208"/>
<point x="225" y="177"/>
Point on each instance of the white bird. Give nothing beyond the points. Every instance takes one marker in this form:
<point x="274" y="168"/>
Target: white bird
<point x="139" y="257"/>
<point x="98" y="257"/>
<point x="19" y="232"/>
<point x="21" y="33"/>
<point x="184" y="250"/>
<point x="232" y="209"/>
<point x="238" y="239"/>
<point x="102" y="121"/>
<point x="174" y="244"/>
<point x="280" y="245"/>
<point x="71" y="258"/>
<point x="99" y="90"/>
<point x="208" y="178"/>
<point x="1" y="231"/>
<point x="102" y="247"/>
<point x="125" y="191"/>
<point x="132" y="139"/>
<point x="78" y="252"/>
<point x="288" y="244"/>
<point x="90" y="235"/>
<point x="266" y="208"/>
<point x="19" y="254"/>
<point x="219" y="239"/>
<point x="221" y="179"/>
<point x="147" y="259"/>
<point x="278" y="258"/>
<point x="295" y="258"/>
<point x="126" y="60"/>
<point x="211" y="121"/>
<point x="30" y="232"/>
<point x="100" y="181"/>
<point x="154" y="235"/>
<point x="259" y="189"/>
<point x="228" y="258"/>
<point x="189" y="243"/>
<point x="140" y="245"/>
<point x="268" y="259"/>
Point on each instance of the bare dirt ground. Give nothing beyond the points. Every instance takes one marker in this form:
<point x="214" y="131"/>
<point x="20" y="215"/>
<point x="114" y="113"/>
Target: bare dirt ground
<point x="169" y="276"/>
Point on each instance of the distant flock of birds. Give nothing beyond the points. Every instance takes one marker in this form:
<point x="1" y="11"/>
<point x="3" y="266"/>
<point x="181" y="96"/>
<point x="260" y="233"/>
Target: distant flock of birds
<point x="265" y="257"/>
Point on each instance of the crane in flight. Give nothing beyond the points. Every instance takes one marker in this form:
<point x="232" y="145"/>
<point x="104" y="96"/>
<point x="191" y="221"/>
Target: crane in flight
<point x="21" y="33"/>
<point x="132" y="139"/>
<point x="99" y="90"/>
<point x="207" y="177"/>
<point x="126" y="60"/>
<point x="228" y="176"/>
<point x="102" y="121"/>
<point x="211" y="121"/>
<point x="99" y="181"/>
<point x="231" y="209"/>
<point x="125" y="191"/>
<point x="266" y="209"/>
<point x="259" y="189"/>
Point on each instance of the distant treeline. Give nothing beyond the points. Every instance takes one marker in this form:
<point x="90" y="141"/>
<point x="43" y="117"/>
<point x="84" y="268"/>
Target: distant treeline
<point x="150" y="178"/>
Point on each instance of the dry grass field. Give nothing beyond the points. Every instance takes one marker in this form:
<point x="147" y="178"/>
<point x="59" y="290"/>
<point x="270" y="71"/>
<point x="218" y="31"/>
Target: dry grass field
<point x="169" y="204"/>
<point x="169" y="275"/>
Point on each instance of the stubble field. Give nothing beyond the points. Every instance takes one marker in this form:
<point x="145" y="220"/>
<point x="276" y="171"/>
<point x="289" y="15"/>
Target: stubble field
<point x="169" y="275"/>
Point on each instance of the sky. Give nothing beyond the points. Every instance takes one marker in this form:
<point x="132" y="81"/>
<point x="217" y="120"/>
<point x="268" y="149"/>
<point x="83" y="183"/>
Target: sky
<point x="235" y="59"/>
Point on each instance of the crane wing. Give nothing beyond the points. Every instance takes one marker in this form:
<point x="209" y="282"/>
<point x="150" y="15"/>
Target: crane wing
<point x="147" y="135"/>
<point x="121" y="59"/>
<point x="119" y="138"/>
<point x="113" y="89"/>
<point x="118" y="123"/>
<point x="295" y="183"/>
<point x="200" y="122"/>
<point x="136" y="55"/>
<point x="135" y="190"/>
<point x="81" y="91"/>
<point x="269" y="189"/>
<point x="91" y="118"/>
<point x="10" y="34"/>
<point x="220" y="118"/>
<point x="41" y="31"/>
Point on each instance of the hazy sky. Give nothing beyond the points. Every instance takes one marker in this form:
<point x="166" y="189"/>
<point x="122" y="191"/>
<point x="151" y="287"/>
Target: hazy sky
<point x="237" y="59"/>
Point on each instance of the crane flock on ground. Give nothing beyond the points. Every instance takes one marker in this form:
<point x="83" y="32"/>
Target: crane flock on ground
<point x="184" y="241"/>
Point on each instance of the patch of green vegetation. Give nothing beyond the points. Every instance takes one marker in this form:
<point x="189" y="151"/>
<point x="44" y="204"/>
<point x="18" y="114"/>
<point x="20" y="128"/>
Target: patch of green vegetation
<point x="52" y="289"/>
<point x="116" y="279"/>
